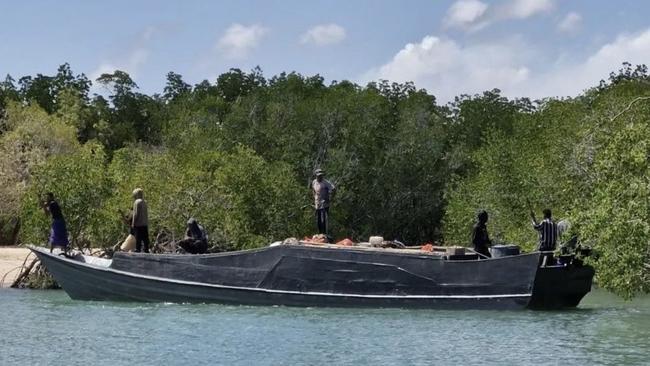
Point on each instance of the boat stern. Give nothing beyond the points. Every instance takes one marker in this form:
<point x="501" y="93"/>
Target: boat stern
<point x="560" y="286"/>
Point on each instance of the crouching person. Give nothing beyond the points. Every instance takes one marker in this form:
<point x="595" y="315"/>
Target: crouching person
<point x="196" y="239"/>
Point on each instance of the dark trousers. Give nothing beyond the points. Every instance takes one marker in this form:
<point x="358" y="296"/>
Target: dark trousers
<point x="141" y="237"/>
<point x="321" y="220"/>
<point x="546" y="259"/>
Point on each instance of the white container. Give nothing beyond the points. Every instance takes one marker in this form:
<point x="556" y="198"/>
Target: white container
<point x="455" y="250"/>
<point x="376" y="240"/>
<point x="129" y="244"/>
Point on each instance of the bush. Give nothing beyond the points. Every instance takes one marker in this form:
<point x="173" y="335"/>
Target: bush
<point x="80" y="185"/>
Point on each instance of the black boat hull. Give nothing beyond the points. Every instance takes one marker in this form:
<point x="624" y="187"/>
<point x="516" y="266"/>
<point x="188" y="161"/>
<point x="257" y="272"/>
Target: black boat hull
<point x="558" y="287"/>
<point x="291" y="279"/>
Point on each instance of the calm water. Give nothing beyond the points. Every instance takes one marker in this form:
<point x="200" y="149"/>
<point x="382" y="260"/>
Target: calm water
<point x="47" y="328"/>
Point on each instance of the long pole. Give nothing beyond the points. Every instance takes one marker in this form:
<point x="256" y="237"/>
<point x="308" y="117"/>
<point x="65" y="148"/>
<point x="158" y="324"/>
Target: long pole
<point x="530" y="208"/>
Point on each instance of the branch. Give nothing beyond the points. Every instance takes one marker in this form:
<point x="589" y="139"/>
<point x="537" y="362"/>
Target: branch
<point x="629" y="106"/>
<point x="24" y="274"/>
<point x="2" y="280"/>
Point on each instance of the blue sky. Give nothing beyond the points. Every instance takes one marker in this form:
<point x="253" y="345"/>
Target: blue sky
<point x="532" y="48"/>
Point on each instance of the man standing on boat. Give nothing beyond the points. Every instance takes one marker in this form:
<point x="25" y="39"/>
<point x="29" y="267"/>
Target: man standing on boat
<point x="323" y="192"/>
<point x="140" y="223"/>
<point x="58" y="232"/>
<point x="480" y="237"/>
<point x="547" y="231"/>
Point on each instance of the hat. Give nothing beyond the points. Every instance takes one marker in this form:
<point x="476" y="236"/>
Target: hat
<point x="318" y="172"/>
<point x="191" y="221"/>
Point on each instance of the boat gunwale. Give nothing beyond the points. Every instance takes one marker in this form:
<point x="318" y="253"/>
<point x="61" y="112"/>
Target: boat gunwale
<point x="392" y="251"/>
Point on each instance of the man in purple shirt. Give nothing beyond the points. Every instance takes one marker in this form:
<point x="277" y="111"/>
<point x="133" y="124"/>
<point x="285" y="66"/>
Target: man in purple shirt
<point x="58" y="231"/>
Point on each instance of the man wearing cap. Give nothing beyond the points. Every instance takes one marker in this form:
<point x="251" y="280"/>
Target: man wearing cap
<point x="323" y="191"/>
<point x="140" y="222"/>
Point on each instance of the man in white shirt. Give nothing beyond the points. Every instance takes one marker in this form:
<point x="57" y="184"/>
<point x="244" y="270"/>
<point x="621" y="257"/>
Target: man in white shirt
<point x="140" y="223"/>
<point x="323" y="192"/>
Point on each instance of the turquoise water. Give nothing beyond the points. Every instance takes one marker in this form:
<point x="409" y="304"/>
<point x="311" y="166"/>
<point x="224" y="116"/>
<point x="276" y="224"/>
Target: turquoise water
<point x="47" y="328"/>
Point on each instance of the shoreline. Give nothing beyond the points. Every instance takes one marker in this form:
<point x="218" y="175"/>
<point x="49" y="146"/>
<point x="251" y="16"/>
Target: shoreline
<point x="11" y="259"/>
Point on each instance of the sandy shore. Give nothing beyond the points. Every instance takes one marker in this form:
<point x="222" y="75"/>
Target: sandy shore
<point x="10" y="259"/>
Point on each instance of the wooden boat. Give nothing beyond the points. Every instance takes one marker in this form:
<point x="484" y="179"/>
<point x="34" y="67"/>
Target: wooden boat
<point x="323" y="275"/>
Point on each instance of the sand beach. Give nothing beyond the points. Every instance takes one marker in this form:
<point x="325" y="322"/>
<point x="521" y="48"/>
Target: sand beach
<point x="11" y="258"/>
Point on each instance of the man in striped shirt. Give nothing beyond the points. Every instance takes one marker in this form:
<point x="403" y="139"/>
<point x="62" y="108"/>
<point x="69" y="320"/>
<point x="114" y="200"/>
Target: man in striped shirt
<point x="547" y="231"/>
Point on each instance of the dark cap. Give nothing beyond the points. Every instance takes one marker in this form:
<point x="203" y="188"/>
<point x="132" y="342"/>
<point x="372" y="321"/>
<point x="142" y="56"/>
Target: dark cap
<point x="319" y="172"/>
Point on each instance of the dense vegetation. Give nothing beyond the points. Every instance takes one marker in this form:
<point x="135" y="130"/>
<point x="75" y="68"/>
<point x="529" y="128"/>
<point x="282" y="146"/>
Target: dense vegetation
<point x="238" y="155"/>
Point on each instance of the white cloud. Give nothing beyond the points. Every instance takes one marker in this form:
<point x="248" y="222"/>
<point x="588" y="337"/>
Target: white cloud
<point x="570" y="80"/>
<point x="571" y="23"/>
<point x="239" y="40"/>
<point x="522" y="9"/>
<point x="473" y="15"/>
<point x="324" y="34"/>
<point x="447" y="68"/>
<point x="464" y="13"/>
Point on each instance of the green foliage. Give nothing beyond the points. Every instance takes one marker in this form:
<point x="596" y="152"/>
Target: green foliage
<point x="132" y="118"/>
<point x="529" y="163"/>
<point x="241" y="200"/>
<point x="235" y="83"/>
<point x="31" y="138"/>
<point x="238" y="155"/>
<point x="44" y="90"/>
<point x="80" y="185"/>
<point x="261" y="201"/>
<point x="616" y="215"/>
<point x="587" y="159"/>
<point x="8" y="92"/>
